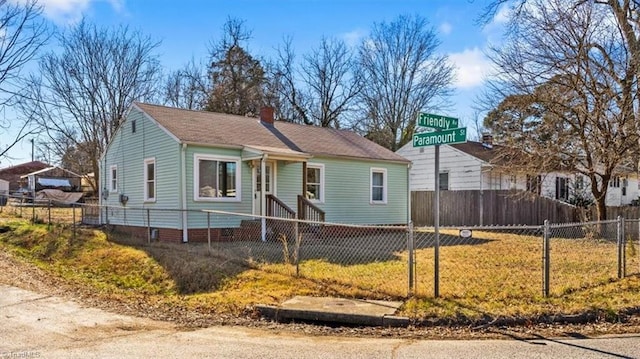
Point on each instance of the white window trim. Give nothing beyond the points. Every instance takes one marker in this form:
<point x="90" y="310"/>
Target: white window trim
<point x="385" y="185"/>
<point x="112" y="188"/>
<point x="147" y="161"/>
<point x="196" y="176"/>
<point x="322" y="186"/>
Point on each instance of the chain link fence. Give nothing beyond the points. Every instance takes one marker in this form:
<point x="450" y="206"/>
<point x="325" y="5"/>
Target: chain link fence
<point x="383" y="262"/>
<point x="581" y="256"/>
<point x="366" y="261"/>
<point x="485" y="262"/>
<point x="40" y="211"/>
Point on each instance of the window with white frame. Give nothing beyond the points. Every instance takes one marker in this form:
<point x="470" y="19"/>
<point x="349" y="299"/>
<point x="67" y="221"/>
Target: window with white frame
<point x="113" y="178"/>
<point x="378" y="186"/>
<point x="217" y="178"/>
<point x="315" y="182"/>
<point x="150" y="180"/>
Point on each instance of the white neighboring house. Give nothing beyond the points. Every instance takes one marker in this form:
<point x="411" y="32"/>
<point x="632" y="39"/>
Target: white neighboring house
<point x="469" y="166"/>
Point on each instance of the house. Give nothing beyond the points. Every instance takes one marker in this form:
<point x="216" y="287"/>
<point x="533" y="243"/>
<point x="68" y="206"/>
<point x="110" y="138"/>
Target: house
<point x="183" y="160"/>
<point x="13" y="174"/>
<point x="475" y="166"/>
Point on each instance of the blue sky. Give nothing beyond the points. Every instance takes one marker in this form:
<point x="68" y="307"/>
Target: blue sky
<point x="186" y="28"/>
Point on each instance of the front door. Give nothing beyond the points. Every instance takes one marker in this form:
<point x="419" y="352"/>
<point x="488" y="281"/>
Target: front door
<point x="269" y="182"/>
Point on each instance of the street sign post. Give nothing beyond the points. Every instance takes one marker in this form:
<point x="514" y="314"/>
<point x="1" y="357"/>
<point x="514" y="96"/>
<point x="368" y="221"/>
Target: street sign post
<point x="446" y="133"/>
<point x="436" y="121"/>
<point x="445" y="137"/>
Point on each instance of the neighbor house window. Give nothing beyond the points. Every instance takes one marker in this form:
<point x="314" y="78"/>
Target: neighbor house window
<point x="150" y="179"/>
<point x="133" y="126"/>
<point x="614" y="182"/>
<point x="444" y="181"/>
<point x="378" y="185"/>
<point x="562" y="188"/>
<point x="216" y="178"/>
<point x="315" y="182"/>
<point x="113" y="178"/>
<point x="513" y="181"/>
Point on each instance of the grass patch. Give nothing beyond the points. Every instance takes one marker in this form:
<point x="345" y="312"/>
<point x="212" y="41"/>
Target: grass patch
<point x="498" y="275"/>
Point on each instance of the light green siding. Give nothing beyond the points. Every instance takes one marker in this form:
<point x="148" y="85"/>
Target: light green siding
<point x="127" y="151"/>
<point x="289" y="182"/>
<point x="347" y="192"/>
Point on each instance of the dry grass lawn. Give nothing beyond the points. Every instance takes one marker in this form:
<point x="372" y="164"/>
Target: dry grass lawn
<point x="499" y="275"/>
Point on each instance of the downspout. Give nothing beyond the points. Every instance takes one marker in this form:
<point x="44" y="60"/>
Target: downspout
<point x="263" y="196"/>
<point x="183" y="192"/>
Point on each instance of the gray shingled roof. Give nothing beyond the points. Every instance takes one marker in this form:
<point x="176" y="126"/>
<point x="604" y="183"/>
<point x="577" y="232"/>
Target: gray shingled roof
<point x="217" y="129"/>
<point x="478" y="150"/>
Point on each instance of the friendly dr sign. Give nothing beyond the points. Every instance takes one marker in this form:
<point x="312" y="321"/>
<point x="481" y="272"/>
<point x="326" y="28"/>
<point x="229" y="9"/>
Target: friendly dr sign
<point x="436" y="121"/>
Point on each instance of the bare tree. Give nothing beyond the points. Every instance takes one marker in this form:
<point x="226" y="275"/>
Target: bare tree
<point x="83" y="91"/>
<point x="22" y="34"/>
<point x="323" y="88"/>
<point x="566" y="86"/>
<point x="237" y="79"/>
<point x="401" y="75"/>
<point x="292" y="103"/>
<point x="187" y="88"/>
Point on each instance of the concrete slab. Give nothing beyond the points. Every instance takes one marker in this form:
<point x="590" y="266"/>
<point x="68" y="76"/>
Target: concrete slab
<point x="337" y="310"/>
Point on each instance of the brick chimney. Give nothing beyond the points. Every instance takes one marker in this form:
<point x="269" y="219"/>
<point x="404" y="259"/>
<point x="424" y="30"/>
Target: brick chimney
<point x="266" y="115"/>
<point x="487" y="140"/>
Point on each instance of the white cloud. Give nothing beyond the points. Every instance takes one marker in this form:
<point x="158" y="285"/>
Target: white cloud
<point x="71" y="11"/>
<point x="354" y="37"/>
<point x="503" y="15"/>
<point x="64" y="11"/>
<point x="445" y="28"/>
<point x="471" y="67"/>
<point x="499" y="21"/>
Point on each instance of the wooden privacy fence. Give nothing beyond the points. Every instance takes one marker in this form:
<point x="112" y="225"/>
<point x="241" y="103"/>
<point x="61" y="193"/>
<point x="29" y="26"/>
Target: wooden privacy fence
<point x="490" y="207"/>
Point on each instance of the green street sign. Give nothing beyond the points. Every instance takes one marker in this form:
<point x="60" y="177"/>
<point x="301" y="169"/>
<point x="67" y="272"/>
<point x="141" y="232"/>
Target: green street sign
<point x="436" y="121"/>
<point x="445" y="137"/>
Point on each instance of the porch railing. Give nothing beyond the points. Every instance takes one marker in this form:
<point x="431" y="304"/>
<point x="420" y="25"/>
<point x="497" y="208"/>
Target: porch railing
<point x="277" y="208"/>
<point x="309" y="211"/>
